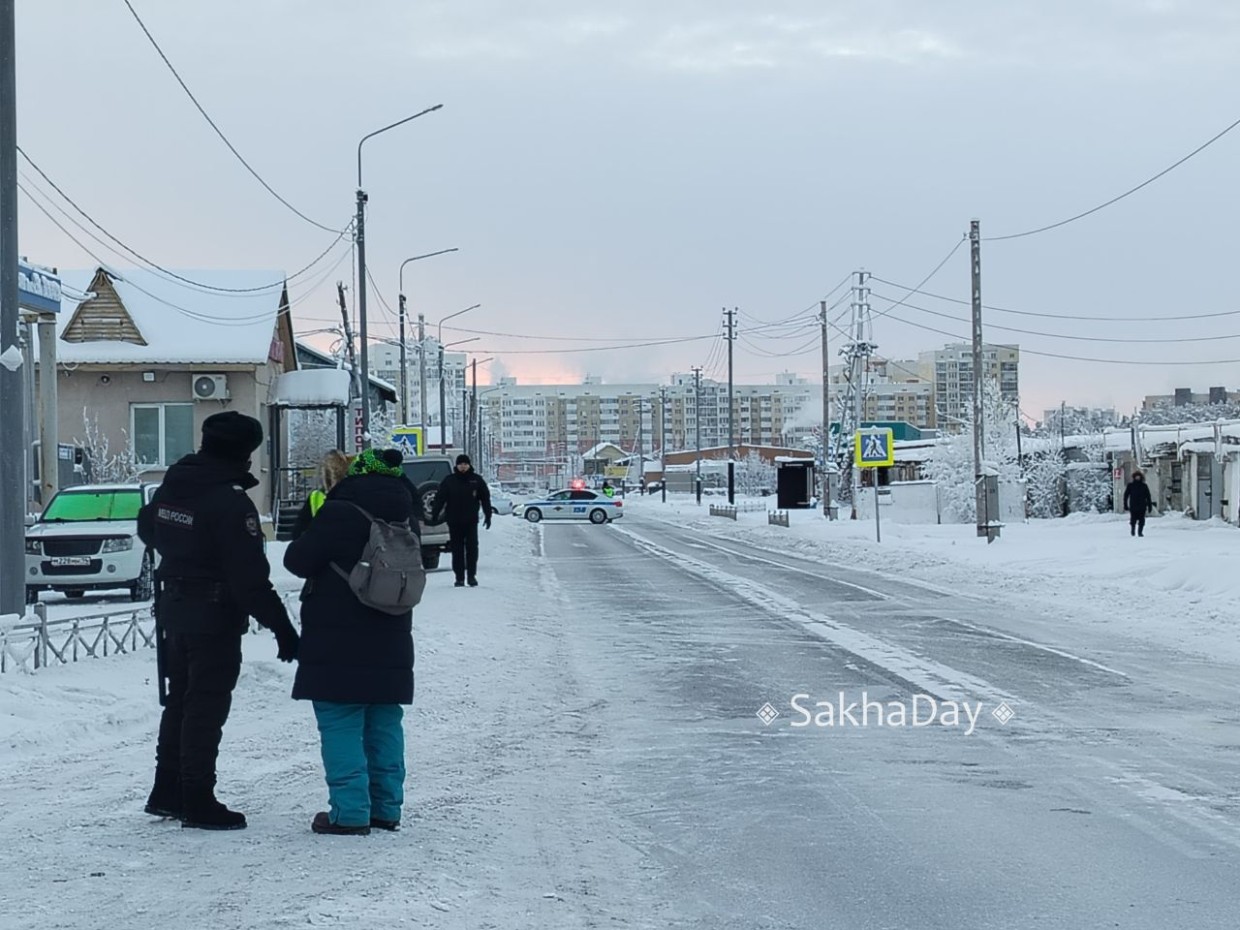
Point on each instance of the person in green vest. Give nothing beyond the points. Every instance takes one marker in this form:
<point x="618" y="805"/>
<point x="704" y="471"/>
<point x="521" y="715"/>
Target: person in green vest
<point x="335" y="465"/>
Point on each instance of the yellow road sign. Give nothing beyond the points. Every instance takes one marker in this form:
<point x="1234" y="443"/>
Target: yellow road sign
<point x="874" y="448"/>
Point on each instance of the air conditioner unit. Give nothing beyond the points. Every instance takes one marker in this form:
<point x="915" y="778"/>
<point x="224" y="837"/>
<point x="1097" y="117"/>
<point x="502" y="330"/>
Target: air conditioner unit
<point x="210" y="387"/>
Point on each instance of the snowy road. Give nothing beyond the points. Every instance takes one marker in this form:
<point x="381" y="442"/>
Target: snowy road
<point x="585" y="752"/>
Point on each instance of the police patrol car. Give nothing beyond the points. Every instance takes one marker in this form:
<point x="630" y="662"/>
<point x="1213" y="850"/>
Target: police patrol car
<point x="574" y="503"/>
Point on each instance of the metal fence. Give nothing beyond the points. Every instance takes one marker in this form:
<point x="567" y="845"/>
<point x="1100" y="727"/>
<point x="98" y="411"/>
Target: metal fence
<point x="777" y="518"/>
<point x="723" y="510"/>
<point x="37" y="642"/>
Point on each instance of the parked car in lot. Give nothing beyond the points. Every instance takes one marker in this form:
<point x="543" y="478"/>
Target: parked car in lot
<point x="86" y="539"/>
<point x="502" y="505"/>
<point x="572" y="504"/>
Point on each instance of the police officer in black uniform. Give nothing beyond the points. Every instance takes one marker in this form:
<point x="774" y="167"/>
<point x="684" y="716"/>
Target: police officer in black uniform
<point x="214" y="575"/>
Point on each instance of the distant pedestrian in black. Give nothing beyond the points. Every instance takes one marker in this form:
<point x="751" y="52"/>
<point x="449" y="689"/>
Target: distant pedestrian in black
<point x="461" y="495"/>
<point x="213" y="576"/>
<point x="1137" y="502"/>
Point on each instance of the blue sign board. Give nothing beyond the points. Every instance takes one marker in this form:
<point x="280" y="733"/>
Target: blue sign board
<point x="38" y="289"/>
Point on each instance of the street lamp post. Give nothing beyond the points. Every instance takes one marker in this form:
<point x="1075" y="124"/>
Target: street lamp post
<point x="361" y="265"/>
<point x="404" y="354"/>
<point x="442" y="390"/>
<point x="442" y="403"/>
<point x="474" y="423"/>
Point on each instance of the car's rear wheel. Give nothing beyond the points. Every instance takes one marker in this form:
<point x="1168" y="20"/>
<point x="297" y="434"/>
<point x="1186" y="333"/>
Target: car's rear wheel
<point x="143" y="588"/>
<point x="533" y="515"/>
<point x="598" y="516"/>
<point x="74" y="593"/>
<point x="430" y="559"/>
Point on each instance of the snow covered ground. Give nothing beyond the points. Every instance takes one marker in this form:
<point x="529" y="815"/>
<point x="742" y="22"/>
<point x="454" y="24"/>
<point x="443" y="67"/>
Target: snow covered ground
<point x="584" y="749"/>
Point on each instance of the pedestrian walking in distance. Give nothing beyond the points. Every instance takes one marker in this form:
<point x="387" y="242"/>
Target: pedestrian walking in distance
<point x="461" y="495"/>
<point x="356" y="661"/>
<point x="213" y="576"/>
<point x="1137" y="502"/>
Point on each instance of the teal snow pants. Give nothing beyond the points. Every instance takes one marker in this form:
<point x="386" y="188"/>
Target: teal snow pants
<point x="364" y="760"/>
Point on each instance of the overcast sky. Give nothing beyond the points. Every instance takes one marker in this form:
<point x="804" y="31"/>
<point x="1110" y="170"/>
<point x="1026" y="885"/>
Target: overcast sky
<point x="623" y="170"/>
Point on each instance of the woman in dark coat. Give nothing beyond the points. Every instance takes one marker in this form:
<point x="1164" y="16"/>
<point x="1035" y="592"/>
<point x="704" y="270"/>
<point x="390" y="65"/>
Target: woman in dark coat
<point x="355" y="664"/>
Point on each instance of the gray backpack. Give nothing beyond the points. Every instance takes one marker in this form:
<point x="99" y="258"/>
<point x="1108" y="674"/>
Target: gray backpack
<point x="389" y="576"/>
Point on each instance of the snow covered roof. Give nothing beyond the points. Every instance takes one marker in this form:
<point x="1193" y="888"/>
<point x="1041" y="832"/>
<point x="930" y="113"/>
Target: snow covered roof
<point x="597" y="450"/>
<point x="179" y="323"/>
<point x="313" y="387"/>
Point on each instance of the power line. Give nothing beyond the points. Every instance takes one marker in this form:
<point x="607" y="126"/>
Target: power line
<point x="219" y="132"/>
<point x="1114" y="200"/>
<point x="191" y="314"/>
<point x="926" y="280"/>
<point x="604" y="348"/>
<point x="1031" y="332"/>
<point x="810" y="309"/>
<point x="199" y="285"/>
<point x="1065" y="316"/>
<point x="1077" y="358"/>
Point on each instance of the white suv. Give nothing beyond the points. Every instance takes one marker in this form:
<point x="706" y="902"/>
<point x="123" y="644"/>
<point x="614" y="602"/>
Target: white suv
<point x="87" y="539"/>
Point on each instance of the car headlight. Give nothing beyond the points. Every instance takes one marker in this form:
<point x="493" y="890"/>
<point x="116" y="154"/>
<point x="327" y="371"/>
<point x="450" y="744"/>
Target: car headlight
<point x="34" y="547"/>
<point x="120" y="544"/>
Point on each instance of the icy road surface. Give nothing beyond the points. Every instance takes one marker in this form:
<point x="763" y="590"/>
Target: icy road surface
<point x="585" y="751"/>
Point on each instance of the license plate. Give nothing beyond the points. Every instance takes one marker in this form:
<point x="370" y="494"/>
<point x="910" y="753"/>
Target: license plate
<point x="70" y="561"/>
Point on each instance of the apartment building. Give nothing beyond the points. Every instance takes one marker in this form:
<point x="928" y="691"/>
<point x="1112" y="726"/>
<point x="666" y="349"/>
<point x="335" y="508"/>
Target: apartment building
<point x="950" y="370"/>
<point x="558" y="419"/>
<point x="385" y="364"/>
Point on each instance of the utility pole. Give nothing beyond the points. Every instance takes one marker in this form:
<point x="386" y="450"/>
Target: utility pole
<point x="474" y="422"/>
<point x="663" y="441"/>
<point x="348" y="343"/>
<point x="404" y="368"/>
<point x="697" y="424"/>
<point x="731" y="322"/>
<point x="982" y="485"/>
<point x="12" y="454"/>
<point x="443" y="435"/>
<point x="857" y="353"/>
<point x="422" y="376"/>
<point x="826" y="411"/>
<point x="641" y="442"/>
<point x="361" y="309"/>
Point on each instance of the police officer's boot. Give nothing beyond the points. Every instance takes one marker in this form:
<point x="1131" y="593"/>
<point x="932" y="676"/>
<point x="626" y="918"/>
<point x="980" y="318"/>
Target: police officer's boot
<point x="201" y="811"/>
<point x="165" y="799"/>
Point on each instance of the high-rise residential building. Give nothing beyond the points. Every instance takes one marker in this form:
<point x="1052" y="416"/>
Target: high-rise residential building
<point x="950" y="369"/>
<point x="548" y="420"/>
<point x="1187" y="397"/>
<point x="385" y="364"/>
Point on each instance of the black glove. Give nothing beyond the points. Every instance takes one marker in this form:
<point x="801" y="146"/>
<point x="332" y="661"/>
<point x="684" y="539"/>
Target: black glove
<point x="487" y="522"/>
<point x="288" y="642"/>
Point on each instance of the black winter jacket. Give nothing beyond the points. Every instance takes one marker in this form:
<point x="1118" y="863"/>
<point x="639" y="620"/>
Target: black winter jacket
<point x="1137" y="497"/>
<point x="349" y="653"/>
<point x="460" y="496"/>
<point x="213" y="565"/>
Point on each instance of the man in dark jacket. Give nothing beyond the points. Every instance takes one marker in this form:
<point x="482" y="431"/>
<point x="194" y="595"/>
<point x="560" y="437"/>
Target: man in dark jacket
<point x="213" y="576"/>
<point x="1137" y="501"/>
<point x="355" y="663"/>
<point x="460" y="495"/>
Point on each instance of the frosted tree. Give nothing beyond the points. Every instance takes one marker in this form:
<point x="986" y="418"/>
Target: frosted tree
<point x="951" y="465"/>
<point x="754" y="475"/>
<point x="106" y="466"/>
<point x="1046" y="476"/>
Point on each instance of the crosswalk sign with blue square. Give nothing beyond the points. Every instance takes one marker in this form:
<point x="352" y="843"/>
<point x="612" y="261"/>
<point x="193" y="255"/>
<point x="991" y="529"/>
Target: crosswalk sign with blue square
<point x="875" y="448"/>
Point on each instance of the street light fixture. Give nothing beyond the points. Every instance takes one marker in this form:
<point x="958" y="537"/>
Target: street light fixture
<point x="361" y="263"/>
<point x="404" y="355"/>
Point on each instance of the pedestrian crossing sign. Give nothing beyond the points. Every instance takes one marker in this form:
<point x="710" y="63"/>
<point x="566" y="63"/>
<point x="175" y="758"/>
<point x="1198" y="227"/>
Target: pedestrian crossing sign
<point x="410" y="437"/>
<point x="875" y="448"/>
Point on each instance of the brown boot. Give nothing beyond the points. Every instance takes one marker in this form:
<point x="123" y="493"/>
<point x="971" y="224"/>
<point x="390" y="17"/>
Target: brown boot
<point x="322" y="823"/>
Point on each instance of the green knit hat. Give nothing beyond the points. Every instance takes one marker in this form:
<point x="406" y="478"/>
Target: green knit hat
<point x="377" y="462"/>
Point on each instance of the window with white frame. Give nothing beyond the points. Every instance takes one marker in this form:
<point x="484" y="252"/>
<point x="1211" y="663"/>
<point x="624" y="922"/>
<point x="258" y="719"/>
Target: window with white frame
<point x="161" y="433"/>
